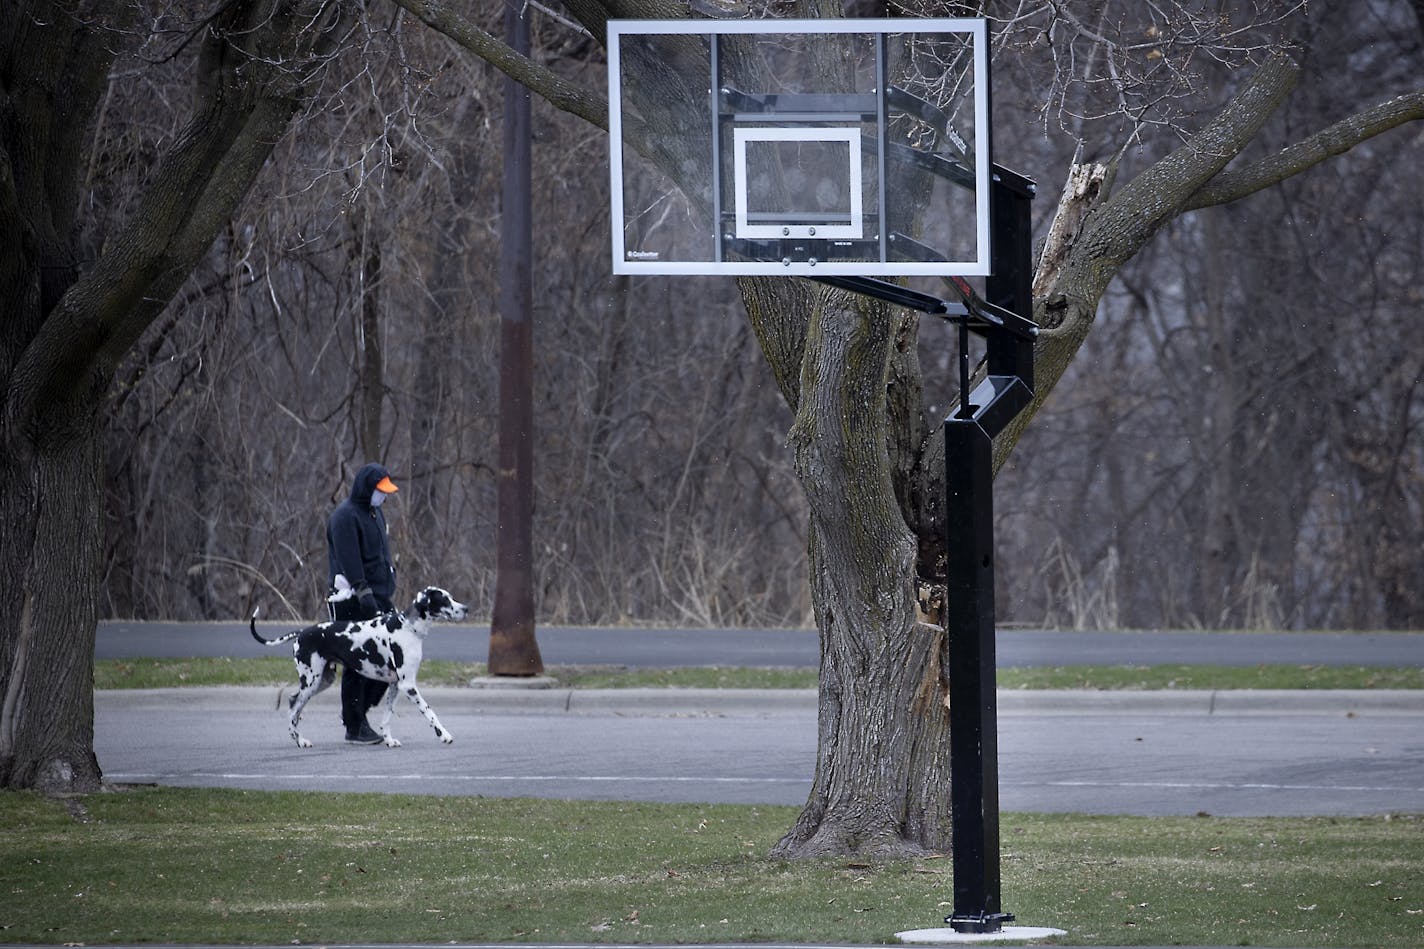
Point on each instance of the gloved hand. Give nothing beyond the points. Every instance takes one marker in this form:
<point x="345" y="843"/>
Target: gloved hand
<point x="367" y="599"/>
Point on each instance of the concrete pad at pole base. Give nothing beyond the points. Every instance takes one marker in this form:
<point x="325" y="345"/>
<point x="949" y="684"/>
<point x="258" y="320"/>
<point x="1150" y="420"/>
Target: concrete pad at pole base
<point x="514" y="682"/>
<point x="947" y="936"/>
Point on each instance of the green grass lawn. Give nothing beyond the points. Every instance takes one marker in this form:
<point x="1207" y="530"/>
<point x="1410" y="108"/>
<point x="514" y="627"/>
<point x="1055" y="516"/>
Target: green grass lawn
<point x="188" y="865"/>
<point x="276" y="670"/>
<point x="224" y="866"/>
<point x="1277" y="676"/>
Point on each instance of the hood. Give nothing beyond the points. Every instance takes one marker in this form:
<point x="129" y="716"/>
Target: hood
<point x="364" y="484"/>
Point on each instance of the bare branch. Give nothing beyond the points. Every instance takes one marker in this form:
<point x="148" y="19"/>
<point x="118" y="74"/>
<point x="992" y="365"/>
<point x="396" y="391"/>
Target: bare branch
<point x="212" y="163"/>
<point x="1130" y="217"/>
<point x="560" y="92"/>
<point x="1234" y="184"/>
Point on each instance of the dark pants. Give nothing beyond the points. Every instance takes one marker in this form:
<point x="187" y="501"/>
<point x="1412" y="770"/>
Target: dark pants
<point x="358" y="693"/>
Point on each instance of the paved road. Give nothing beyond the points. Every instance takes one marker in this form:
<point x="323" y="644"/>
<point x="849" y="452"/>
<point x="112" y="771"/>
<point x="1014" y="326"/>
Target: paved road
<point x="1156" y="753"/>
<point x="1122" y="753"/>
<point x="661" y="648"/>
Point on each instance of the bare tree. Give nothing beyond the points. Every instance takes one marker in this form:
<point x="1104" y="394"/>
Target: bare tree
<point x="1189" y="467"/>
<point x="662" y="489"/>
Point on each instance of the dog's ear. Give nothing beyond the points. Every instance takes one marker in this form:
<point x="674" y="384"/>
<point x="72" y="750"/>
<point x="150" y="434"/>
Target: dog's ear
<point x="438" y="602"/>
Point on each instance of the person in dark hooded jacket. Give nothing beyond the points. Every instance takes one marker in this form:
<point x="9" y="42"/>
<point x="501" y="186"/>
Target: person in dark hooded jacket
<point x="363" y="581"/>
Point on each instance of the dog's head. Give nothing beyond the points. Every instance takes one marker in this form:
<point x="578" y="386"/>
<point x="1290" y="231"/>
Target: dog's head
<point x="433" y="603"/>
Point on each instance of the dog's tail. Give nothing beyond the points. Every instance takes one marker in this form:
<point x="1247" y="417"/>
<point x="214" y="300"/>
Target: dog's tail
<point x="252" y="625"/>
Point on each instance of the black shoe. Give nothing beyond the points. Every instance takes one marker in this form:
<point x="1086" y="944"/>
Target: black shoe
<point x="363" y="735"/>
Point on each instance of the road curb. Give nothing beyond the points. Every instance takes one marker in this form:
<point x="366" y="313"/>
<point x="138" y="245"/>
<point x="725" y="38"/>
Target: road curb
<point x="767" y="702"/>
<point x="1214" y="702"/>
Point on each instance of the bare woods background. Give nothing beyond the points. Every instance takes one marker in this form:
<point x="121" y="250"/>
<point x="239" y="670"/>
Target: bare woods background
<point x="1239" y="444"/>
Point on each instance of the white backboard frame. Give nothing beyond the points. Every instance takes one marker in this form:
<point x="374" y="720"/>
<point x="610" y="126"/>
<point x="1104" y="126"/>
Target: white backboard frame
<point x="635" y="260"/>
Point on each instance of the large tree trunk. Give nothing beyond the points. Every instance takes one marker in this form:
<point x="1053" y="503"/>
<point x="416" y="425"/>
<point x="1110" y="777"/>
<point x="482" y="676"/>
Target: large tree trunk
<point x="50" y="515"/>
<point x="64" y="329"/>
<point x="51" y="434"/>
<point x="882" y="769"/>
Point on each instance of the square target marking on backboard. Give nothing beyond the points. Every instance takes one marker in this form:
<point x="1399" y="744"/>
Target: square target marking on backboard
<point x="821" y="169"/>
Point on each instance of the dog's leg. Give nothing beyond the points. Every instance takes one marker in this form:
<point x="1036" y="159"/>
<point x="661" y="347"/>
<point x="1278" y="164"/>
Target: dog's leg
<point x="408" y="687"/>
<point x="326" y="681"/>
<point x="385" y="729"/>
<point x="299" y="702"/>
<point x="311" y="681"/>
<point x="323" y="682"/>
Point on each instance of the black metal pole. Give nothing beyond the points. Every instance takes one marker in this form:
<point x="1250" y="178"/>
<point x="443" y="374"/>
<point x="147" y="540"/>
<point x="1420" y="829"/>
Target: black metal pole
<point x="966" y="410"/>
<point x="1004" y="321"/>
<point x="973" y="715"/>
<point x="969" y="538"/>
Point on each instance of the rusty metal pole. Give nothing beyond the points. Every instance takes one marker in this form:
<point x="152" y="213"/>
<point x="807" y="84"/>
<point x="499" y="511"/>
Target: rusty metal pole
<point x="513" y="650"/>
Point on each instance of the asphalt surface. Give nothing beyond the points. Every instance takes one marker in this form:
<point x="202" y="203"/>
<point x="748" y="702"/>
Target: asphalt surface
<point x="662" y="648"/>
<point x="1145" y="753"/>
<point x="1152" y="753"/>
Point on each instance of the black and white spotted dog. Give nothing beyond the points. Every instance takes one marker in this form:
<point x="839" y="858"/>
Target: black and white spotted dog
<point x="387" y="648"/>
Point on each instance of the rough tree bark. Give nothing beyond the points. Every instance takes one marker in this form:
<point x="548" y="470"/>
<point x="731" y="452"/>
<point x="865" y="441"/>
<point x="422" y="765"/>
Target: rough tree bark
<point x="67" y="322"/>
<point x="883" y="754"/>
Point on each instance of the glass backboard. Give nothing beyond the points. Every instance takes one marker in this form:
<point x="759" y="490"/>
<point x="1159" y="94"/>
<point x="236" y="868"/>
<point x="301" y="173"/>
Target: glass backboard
<point x="807" y="147"/>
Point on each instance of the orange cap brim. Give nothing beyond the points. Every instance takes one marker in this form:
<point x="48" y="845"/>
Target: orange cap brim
<point x="387" y="485"/>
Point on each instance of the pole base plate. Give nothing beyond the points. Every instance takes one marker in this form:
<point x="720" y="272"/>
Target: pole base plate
<point x="978" y="922"/>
